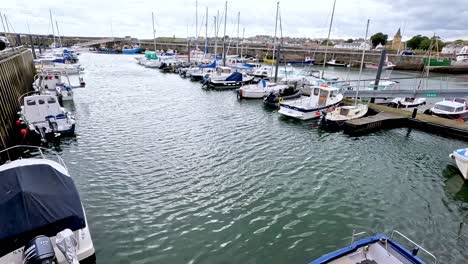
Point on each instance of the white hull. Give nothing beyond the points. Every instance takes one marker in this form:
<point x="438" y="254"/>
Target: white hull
<point x="256" y="91"/>
<point x="84" y="249"/>
<point x="345" y="113"/>
<point x="462" y="161"/>
<point x="298" y="114"/>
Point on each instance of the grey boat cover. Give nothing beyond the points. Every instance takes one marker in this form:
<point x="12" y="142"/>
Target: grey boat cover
<point x="36" y="200"/>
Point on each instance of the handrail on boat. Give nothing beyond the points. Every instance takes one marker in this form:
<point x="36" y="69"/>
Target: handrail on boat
<point x="41" y="151"/>
<point x="415" y="244"/>
<point x="357" y="234"/>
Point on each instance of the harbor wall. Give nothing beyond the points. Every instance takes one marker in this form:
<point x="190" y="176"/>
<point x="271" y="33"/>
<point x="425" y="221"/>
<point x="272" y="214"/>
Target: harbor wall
<point x="16" y="77"/>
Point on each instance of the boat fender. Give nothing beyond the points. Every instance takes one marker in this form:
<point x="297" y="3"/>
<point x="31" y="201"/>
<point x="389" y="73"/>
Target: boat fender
<point x="451" y="156"/>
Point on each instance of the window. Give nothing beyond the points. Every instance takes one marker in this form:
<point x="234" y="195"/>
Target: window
<point x="460" y="100"/>
<point x="51" y="100"/>
<point x="316" y="91"/>
<point x="444" y="108"/>
<point x="41" y="101"/>
<point x="459" y="109"/>
<point x="30" y="102"/>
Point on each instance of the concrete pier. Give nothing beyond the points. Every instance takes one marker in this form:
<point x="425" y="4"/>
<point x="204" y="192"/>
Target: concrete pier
<point x="16" y="77"/>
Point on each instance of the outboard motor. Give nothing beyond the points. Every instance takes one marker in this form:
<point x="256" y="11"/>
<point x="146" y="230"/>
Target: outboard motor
<point x="82" y="82"/>
<point x="39" y="250"/>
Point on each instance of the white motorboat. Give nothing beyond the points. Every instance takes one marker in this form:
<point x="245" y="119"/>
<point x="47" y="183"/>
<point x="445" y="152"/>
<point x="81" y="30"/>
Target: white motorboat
<point x="462" y="56"/>
<point x="334" y="63"/>
<point x="263" y="71"/>
<point x="407" y="102"/>
<point x="344" y="113"/>
<point x="43" y="117"/>
<point x="52" y="82"/>
<point x="41" y="214"/>
<point x="384" y="85"/>
<point x="461" y="158"/>
<point x="261" y="89"/>
<point x="69" y="69"/>
<point x="219" y="73"/>
<point x="452" y="108"/>
<point x="309" y="107"/>
<point x="387" y="65"/>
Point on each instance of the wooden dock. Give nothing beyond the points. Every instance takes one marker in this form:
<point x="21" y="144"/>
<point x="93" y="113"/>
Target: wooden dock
<point x="16" y="77"/>
<point x="388" y="117"/>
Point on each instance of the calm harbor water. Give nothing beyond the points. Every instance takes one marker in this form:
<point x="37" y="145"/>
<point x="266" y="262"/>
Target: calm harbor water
<point x="171" y="173"/>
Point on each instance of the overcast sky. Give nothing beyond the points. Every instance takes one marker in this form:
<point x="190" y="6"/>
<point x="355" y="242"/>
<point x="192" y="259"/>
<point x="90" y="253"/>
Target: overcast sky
<point x="300" y="18"/>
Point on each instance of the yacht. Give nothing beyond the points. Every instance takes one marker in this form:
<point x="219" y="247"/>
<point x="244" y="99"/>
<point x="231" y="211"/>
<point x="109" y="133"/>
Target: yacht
<point x="41" y="214"/>
<point x="309" y="107"/>
<point x="378" y="249"/>
<point x="42" y="117"/>
<point x="452" y="108"/>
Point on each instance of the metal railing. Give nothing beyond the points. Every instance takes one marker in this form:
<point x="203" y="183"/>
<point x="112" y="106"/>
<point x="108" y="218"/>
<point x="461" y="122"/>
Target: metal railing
<point x="41" y="151"/>
<point x="414" y="244"/>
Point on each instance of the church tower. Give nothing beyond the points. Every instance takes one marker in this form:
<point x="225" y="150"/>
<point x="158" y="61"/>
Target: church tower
<point x="396" y="42"/>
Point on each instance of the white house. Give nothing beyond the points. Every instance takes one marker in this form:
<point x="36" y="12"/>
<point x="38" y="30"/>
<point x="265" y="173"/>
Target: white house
<point x="353" y="46"/>
<point x="452" y="49"/>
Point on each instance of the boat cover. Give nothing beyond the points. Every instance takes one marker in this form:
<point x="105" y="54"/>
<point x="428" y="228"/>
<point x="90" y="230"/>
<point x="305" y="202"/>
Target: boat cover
<point x="36" y="200"/>
<point x="212" y="65"/>
<point x="234" y="77"/>
<point x="462" y="152"/>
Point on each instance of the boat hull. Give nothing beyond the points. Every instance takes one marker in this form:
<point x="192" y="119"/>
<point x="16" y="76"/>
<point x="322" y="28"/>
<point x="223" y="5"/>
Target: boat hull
<point x="461" y="161"/>
<point x="302" y="114"/>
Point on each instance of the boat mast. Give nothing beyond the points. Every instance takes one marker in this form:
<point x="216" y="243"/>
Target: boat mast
<point x="52" y="24"/>
<point x="328" y="38"/>
<point x="154" y="32"/>
<point x="196" y="25"/>
<point x="58" y="33"/>
<point x="206" y="31"/>
<point x="216" y="35"/>
<point x="224" y="37"/>
<point x="238" y="22"/>
<point x="4" y="29"/>
<point x="274" y="38"/>
<point x="242" y="44"/>
<point x="362" y="62"/>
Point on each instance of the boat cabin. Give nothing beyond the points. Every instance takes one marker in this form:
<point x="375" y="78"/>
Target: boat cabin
<point x="36" y="108"/>
<point x="322" y="95"/>
<point x="451" y="105"/>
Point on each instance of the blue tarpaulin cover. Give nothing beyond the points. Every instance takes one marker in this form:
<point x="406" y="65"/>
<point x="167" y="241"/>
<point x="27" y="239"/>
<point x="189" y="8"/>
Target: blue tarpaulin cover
<point x="212" y="65"/>
<point x="36" y="200"/>
<point x="235" y="77"/>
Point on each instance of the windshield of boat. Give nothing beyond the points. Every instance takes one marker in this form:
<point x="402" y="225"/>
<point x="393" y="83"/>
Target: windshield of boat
<point x="344" y="111"/>
<point x="445" y="108"/>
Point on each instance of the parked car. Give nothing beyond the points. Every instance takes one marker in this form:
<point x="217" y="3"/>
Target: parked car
<point x="407" y="53"/>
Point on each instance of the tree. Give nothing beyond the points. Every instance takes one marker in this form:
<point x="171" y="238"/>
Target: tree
<point x="425" y="44"/>
<point x="459" y="42"/>
<point x="415" y="42"/>
<point x="324" y="43"/>
<point x="379" y="38"/>
<point x="349" y="41"/>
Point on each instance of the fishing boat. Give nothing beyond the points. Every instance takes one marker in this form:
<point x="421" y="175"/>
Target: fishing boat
<point x="341" y="114"/>
<point x="334" y="63"/>
<point x="42" y="117"/>
<point x="309" y="107"/>
<point x="41" y="214"/>
<point x="233" y="81"/>
<point x="273" y="99"/>
<point x="378" y="249"/>
<point x="451" y="108"/>
<point x="437" y="62"/>
<point x="260" y="90"/>
<point x="461" y="159"/>
<point x="134" y="50"/>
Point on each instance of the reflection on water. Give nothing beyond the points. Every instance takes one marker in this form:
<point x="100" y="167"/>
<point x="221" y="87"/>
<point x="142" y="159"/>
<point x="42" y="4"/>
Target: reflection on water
<point x="171" y="173"/>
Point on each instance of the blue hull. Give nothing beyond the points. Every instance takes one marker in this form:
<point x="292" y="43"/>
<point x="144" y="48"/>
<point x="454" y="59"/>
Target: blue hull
<point x="131" y="51"/>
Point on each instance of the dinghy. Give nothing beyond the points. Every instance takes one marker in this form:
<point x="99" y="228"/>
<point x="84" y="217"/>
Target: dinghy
<point x="336" y="64"/>
<point x="339" y="115"/>
<point x="407" y="102"/>
<point x="378" y="249"/>
<point x="309" y="107"/>
<point x="233" y="81"/>
<point x="461" y="158"/>
<point x="41" y="214"/>
<point x="259" y="90"/>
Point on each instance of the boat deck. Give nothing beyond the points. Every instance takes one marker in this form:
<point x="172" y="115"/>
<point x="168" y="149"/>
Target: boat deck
<point x="373" y="254"/>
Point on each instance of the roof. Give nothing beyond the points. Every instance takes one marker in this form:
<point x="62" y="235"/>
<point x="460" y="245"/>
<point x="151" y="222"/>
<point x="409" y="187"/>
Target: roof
<point x="36" y="199"/>
<point x="398" y="34"/>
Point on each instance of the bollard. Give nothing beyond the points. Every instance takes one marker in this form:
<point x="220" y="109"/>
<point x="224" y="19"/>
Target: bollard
<point x="415" y="112"/>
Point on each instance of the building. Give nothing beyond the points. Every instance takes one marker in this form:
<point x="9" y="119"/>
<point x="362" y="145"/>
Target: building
<point x="396" y="43"/>
<point x="452" y="49"/>
<point x="353" y="46"/>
